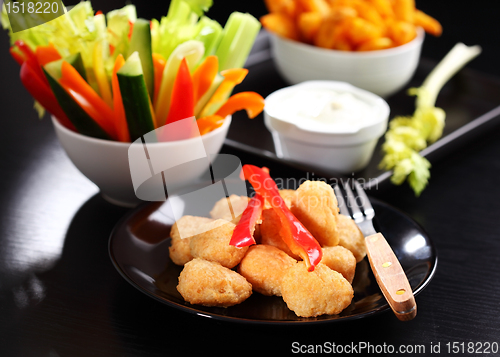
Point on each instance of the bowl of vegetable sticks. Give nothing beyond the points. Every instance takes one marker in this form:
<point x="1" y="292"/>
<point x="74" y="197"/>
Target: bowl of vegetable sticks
<point x="106" y="162"/>
<point x="372" y="44"/>
<point x="108" y="80"/>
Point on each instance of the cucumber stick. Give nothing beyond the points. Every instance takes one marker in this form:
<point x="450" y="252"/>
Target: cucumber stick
<point x="135" y="97"/>
<point x="141" y="42"/>
<point x="83" y="123"/>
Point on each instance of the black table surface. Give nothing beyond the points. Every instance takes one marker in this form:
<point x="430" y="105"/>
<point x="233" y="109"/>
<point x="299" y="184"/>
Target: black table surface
<point x="61" y="296"/>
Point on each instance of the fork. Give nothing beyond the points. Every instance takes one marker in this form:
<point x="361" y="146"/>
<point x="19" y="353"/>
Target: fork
<point x="385" y="265"/>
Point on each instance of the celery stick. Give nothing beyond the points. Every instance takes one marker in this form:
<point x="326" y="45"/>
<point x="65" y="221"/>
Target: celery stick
<point x="408" y="135"/>
<point x="210" y="33"/>
<point x="191" y="50"/>
<point x="237" y="40"/>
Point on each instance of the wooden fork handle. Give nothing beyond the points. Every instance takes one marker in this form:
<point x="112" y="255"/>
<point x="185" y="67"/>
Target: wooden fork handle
<point x="390" y="277"/>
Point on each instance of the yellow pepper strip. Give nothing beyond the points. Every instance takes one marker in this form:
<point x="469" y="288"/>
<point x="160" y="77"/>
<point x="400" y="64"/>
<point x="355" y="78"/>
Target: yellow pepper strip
<point x="100" y="74"/>
<point x="232" y="77"/>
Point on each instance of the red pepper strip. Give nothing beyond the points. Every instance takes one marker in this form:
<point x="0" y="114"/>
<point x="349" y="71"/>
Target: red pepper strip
<point x="43" y="94"/>
<point x="243" y="233"/>
<point x="252" y="102"/>
<point x="232" y="77"/>
<point x="120" y="118"/>
<point x="47" y="54"/>
<point x="18" y="57"/>
<point x="98" y="13"/>
<point x="182" y="106"/>
<point x="159" y="63"/>
<point x="32" y="60"/>
<point x="182" y="103"/>
<point x="207" y="124"/>
<point x="293" y="232"/>
<point x="204" y="76"/>
<point x="87" y="98"/>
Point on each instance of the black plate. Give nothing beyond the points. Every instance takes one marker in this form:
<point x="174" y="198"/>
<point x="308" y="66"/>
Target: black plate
<point x="138" y="248"/>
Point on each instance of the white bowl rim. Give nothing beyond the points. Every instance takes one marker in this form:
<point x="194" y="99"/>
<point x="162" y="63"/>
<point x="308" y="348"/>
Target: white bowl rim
<point x="78" y="136"/>
<point x="353" y="54"/>
<point x="377" y="100"/>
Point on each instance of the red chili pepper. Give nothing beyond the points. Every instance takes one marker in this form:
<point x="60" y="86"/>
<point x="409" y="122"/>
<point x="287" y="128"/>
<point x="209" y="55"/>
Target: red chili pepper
<point x="243" y="233"/>
<point x="31" y="59"/>
<point x="252" y="102"/>
<point x="294" y="234"/>
<point x="43" y="94"/>
<point x="98" y="13"/>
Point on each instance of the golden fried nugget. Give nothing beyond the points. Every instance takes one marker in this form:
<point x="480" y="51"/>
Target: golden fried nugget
<point x="263" y="266"/>
<point x="316" y="207"/>
<point x="222" y="209"/>
<point x="213" y="244"/>
<point x="341" y="260"/>
<point x="270" y="232"/>
<point x="322" y="291"/>
<point x="210" y="284"/>
<point x="350" y="237"/>
<point x="181" y="233"/>
<point x="287" y="195"/>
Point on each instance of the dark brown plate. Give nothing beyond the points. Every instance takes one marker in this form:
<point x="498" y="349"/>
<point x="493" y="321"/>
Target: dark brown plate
<point x="138" y="248"/>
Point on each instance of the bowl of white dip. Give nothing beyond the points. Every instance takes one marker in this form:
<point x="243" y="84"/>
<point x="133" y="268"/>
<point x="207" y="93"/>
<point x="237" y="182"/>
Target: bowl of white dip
<point x="327" y="124"/>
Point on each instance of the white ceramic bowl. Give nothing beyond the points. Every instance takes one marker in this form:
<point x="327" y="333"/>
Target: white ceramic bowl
<point x="106" y="163"/>
<point x="339" y="152"/>
<point x="382" y="72"/>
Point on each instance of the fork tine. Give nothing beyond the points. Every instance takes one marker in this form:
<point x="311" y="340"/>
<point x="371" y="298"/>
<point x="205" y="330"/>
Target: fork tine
<point x="357" y="215"/>
<point x="365" y="201"/>
<point x="340" y="200"/>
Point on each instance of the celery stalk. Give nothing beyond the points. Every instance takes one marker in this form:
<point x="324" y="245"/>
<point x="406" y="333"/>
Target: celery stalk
<point x="237" y="40"/>
<point x="408" y="135"/>
<point x="209" y="32"/>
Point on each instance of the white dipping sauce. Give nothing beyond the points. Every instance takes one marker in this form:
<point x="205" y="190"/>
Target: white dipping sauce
<point x="325" y="110"/>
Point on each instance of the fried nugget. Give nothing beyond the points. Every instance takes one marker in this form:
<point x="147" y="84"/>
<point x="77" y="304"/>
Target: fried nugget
<point x="322" y="291"/>
<point x="341" y="260"/>
<point x="287" y="195"/>
<point x="222" y="209"/>
<point x="315" y="205"/>
<point x="213" y="244"/>
<point x="270" y="232"/>
<point x="263" y="266"/>
<point x="179" y="250"/>
<point x="350" y="237"/>
<point x="210" y="284"/>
